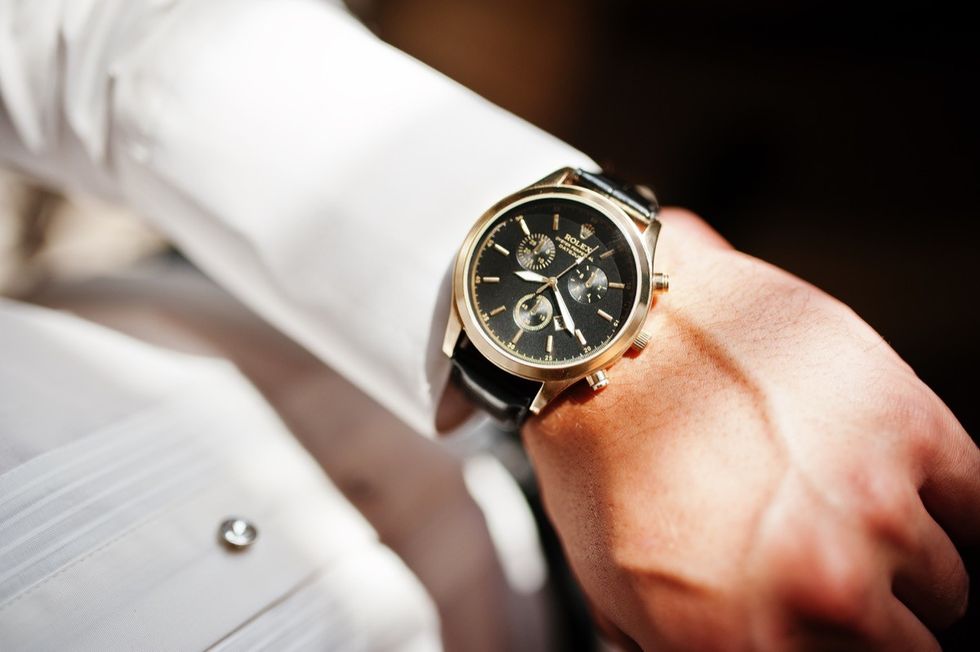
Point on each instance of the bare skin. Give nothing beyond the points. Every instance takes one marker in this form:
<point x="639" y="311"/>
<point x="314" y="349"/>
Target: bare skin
<point x="767" y="475"/>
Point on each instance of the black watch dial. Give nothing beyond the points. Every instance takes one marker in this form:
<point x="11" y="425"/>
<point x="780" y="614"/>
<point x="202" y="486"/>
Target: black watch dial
<point x="553" y="281"/>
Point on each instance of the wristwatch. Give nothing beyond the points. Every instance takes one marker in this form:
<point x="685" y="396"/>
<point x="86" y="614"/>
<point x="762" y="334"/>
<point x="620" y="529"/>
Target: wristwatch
<point x="552" y="285"/>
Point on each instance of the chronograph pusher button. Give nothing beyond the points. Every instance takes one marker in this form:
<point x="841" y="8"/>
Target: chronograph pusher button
<point x="597" y="380"/>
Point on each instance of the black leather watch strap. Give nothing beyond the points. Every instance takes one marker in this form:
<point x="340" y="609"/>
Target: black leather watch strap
<point x="643" y="204"/>
<point x="505" y="396"/>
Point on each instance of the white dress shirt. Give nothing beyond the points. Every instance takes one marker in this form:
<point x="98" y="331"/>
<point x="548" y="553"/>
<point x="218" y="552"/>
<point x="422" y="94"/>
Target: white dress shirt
<point x="320" y="175"/>
<point x="326" y="180"/>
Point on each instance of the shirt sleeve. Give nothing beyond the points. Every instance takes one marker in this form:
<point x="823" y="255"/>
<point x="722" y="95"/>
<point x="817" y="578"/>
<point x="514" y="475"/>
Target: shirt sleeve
<point x="320" y="175"/>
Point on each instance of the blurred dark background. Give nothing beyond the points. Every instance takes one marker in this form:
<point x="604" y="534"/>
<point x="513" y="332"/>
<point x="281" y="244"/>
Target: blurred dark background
<point x="837" y="141"/>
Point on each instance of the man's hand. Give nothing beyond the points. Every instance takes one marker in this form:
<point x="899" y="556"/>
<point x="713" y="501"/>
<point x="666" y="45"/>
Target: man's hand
<point x="767" y="475"/>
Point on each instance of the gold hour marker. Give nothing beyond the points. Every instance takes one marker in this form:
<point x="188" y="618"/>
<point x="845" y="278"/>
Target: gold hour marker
<point x="581" y="338"/>
<point x="616" y="286"/>
<point x="554" y="222"/>
<point x="607" y="254"/>
<point x="548" y="345"/>
<point x="497" y="310"/>
<point x="490" y="279"/>
<point x="520" y="220"/>
<point x="501" y="249"/>
<point x="517" y="336"/>
<point x="605" y="315"/>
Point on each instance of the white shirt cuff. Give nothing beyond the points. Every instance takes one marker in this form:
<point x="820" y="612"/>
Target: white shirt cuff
<point x="320" y="175"/>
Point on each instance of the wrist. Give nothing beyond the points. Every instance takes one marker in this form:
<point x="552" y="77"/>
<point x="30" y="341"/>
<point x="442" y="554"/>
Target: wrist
<point x="667" y="368"/>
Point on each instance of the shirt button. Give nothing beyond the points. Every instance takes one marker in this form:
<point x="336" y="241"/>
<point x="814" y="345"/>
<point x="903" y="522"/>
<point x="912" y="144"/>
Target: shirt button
<point x="237" y="533"/>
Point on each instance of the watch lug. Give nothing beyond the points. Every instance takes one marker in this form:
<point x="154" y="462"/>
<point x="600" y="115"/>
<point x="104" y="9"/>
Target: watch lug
<point x="649" y="237"/>
<point x="453" y="328"/>
<point x="549" y="390"/>
<point x="556" y="178"/>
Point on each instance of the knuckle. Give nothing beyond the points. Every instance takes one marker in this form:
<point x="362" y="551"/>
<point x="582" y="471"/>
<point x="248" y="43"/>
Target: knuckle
<point x="889" y="516"/>
<point x="831" y="586"/>
<point x="843" y="598"/>
<point x="911" y="409"/>
<point x="886" y="503"/>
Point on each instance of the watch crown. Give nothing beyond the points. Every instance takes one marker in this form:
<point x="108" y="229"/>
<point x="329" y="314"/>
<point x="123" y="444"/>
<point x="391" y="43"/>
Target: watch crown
<point x="642" y="340"/>
<point x="661" y="282"/>
<point x="597" y="380"/>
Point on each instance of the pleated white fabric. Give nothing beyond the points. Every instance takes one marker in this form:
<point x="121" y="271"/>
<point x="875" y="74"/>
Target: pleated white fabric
<point x="110" y="539"/>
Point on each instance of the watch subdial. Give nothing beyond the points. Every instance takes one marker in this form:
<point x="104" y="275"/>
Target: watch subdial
<point x="587" y="284"/>
<point x="533" y="312"/>
<point x="536" y="251"/>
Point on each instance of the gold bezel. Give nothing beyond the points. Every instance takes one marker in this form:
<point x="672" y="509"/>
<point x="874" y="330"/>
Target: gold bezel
<point x="601" y="358"/>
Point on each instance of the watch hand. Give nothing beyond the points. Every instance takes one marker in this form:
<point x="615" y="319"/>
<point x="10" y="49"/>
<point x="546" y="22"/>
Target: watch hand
<point x="577" y="262"/>
<point x="538" y="247"/>
<point x="534" y="277"/>
<point x="565" y="271"/>
<point x="566" y="316"/>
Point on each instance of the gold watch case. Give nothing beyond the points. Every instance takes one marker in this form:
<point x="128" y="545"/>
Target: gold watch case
<point x="555" y="378"/>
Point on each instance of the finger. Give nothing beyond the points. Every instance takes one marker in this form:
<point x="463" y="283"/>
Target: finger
<point x="905" y="632"/>
<point x="885" y="625"/>
<point x="930" y="579"/>
<point x="610" y="631"/>
<point x="950" y="488"/>
<point x="684" y="222"/>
